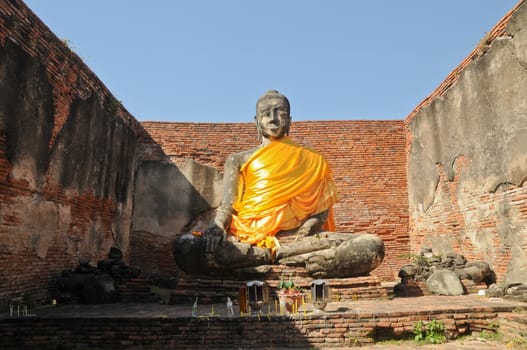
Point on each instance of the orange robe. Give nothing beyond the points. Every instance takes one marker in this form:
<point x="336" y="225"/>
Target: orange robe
<point x="282" y="184"/>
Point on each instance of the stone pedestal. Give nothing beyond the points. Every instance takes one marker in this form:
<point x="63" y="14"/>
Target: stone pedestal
<point x="217" y="290"/>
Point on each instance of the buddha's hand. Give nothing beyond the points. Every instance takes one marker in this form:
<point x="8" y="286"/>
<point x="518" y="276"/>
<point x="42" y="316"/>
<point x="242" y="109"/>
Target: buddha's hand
<point x="223" y="219"/>
<point x="313" y="225"/>
<point x="310" y="227"/>
<point x="213" y="236"/>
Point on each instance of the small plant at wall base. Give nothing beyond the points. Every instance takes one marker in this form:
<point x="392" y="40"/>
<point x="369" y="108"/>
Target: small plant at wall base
<point x="432" y="332"/>
<point x="494" y="325"/>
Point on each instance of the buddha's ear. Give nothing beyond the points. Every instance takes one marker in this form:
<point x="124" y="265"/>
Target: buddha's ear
<point x="258" y="133"/>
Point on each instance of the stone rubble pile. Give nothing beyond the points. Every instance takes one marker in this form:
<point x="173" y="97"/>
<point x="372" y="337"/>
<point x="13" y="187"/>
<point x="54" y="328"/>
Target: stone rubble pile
<point x="94" y="285"/>
<point x="514" y="291"/>
<point x="442" y="275"/>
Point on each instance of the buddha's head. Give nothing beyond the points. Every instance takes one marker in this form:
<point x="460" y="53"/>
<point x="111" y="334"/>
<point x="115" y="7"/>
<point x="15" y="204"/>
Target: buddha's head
<point x="272" y="115"/>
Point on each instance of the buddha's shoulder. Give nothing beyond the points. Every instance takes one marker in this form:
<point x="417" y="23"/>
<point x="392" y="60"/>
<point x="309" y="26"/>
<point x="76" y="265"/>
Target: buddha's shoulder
<point x="242" y="156"/>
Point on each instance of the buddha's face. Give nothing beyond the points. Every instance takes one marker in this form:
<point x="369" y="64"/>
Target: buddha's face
<point x="272" y="116"/>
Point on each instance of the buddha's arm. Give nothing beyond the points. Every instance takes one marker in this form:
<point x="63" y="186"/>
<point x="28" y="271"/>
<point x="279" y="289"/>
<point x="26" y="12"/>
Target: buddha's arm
<point x="231" y="176"/>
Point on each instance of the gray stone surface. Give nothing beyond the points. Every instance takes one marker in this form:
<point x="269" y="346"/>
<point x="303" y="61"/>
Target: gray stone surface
<point x="482" y="117"/>
<point x="444" y="282"/>
<point x="169" y="197"/>
<point x="93" y="153"/>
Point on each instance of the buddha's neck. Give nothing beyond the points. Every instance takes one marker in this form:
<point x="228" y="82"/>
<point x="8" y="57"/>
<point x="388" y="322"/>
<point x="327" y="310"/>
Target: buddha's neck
<point x="267" y="141"/>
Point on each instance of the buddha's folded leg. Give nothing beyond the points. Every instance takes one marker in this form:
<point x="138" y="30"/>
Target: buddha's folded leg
<point x="356" y="256"/>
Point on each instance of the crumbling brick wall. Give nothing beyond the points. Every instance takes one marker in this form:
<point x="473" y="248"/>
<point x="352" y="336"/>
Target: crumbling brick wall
<point x="67" y="153"/>
<point x="467" y="156"/>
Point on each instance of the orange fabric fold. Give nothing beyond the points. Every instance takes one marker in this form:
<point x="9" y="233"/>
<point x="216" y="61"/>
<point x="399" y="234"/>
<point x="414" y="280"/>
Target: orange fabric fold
<point x="282" y="184"/>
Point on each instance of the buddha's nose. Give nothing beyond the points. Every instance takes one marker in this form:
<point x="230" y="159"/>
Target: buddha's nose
<point x="274" y="114"/>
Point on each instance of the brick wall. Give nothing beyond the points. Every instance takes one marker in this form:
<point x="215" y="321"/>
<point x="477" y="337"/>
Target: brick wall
<point x="466" y="164"/>
<point x="473" y="223"/>
<point x="328" y="331"/>
<point x="67" y="152"/>
<point x="367" y="159"/>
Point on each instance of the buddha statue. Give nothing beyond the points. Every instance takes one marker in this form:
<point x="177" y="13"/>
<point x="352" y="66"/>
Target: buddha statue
<point x="277" y="189"/>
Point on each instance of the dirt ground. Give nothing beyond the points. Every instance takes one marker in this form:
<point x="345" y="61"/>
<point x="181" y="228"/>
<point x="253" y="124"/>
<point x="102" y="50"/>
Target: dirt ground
<point x="473" y="342"/>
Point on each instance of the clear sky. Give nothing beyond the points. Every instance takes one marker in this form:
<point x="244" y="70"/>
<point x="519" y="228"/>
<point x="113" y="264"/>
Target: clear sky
<point x="209" y="60"/>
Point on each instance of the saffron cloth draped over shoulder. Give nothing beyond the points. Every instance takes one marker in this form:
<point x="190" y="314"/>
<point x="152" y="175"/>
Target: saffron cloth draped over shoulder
<point x="282" y="184"/>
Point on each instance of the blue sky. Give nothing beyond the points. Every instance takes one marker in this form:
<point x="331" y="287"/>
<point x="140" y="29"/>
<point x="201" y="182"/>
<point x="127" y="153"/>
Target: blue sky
<point x="209" y="60"/>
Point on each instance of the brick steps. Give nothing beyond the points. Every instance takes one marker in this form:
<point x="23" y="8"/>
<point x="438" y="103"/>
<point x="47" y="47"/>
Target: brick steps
<point x="341" y="325"/>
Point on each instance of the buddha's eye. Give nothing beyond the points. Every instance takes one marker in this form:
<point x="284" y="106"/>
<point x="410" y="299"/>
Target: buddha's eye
<point x="281" y="112"/>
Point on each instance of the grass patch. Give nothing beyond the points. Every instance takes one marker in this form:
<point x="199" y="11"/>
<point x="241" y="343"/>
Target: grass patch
<point x="432" y="332"/>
